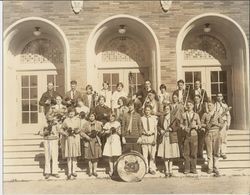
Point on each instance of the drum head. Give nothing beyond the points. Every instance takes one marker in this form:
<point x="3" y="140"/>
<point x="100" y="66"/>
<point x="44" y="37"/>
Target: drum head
<point x="131" y="167"/>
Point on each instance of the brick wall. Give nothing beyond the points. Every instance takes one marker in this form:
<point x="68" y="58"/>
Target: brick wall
<point x="77" y="28"/>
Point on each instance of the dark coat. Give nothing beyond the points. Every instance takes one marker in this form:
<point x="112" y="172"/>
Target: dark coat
<point x="203" y="94"/>
<point x="67" y="96"/>
<point x="48" y="96"/>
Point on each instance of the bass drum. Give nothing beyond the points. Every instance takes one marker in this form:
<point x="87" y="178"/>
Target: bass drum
<point x="131" y="167"/>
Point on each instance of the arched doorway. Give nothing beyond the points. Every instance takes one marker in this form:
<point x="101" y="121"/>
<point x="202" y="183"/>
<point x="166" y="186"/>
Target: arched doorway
<point x="130" y="57"/>
<point x="218" y="56"/>
<point x="31" y="61"/>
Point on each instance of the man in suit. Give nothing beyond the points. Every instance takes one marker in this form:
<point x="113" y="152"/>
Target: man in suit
<point x="72" y="96"/>
<point x="89" y="97"/>
<point x="201" y="92"/>
<point x="143" y="93"/>
<point x="181" y="92"/>
<point x="48" y="98"/>
<point x="200" y="109"/>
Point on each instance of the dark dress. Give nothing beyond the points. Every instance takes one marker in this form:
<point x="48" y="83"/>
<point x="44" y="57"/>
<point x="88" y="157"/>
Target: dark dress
<point x="92" y="147"/>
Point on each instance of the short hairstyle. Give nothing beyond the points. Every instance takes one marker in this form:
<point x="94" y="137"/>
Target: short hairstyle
<point x="147" y="81"/>
<point x="190" y="101"/>
<point x="197" y="95"/>
<point x="112" y="114"/>
<point x="73" y="82"/>
<point x="59" y="96"/>
<point x="101" y="96"/>
<point x="89" y="87"/>
<point x="71" y="109"/>
<point x="219" y="93"/>
<point x="180" y="81"/>
<point x="120" y="83"/>
<point x="148" y="106"/>
<point x="105" y="82"/>
<point x="166" y="105"/>
<point x="131" y="102"/>
<point x="163" y="86"/>
<point x="50" y="83"/>
<point x="124" y="100"/>
<point x="91" y="113"/>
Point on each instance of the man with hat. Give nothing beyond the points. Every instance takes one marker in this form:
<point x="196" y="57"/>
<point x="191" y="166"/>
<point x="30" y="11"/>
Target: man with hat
<point x="190" y="123"/>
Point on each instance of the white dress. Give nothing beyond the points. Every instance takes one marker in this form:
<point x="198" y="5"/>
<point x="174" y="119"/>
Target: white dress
<point x="112" y="146"/>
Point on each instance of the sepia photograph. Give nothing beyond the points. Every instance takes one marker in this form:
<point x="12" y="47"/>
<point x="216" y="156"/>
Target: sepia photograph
<point x="125" y="97"/>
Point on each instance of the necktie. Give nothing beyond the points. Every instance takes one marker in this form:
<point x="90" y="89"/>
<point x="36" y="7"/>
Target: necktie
<point x="148" y="129"/>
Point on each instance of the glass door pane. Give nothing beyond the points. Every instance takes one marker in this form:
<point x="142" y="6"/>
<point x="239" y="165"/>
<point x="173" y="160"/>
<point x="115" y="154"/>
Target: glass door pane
<point x="219" y="84"/>
<point x="112" y="79"/>
<point x="29" y="99"/>
<point x="191" y="77"/>
<point x="136" y="79"/>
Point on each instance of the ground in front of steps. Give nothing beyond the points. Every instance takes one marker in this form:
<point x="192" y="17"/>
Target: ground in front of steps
<point x="183" y="185"/>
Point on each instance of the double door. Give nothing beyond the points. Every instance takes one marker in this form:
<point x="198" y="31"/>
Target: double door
<point x="213" y="80"/>
<point x="30" y="87"/>
<point x="132" y="79"/>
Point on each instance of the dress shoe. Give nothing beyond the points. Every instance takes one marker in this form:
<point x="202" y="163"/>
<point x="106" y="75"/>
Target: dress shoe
<point x="95" y="174"/>
<point x="186" y="171"/>
<point x="166" y="174"/>
<point x="224" y="156"/>
<point x="194" y="172"/>
<point x="56" y="175"/>
<point x="217" y="174"/>
<point x="152" y="172"/>
<point x="209" y="171"/>
<point x="74" y="174"/>
<point x="46" y="176"/>
<point x="68" y="177"/>
<point x="170" y="175"/>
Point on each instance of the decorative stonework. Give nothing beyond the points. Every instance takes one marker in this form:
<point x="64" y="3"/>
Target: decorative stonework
<point x="41" y="51"/>
<point x="77" y="6"/>
<point x="166" y="4"/>
<point x="123" y="49"/>
<point x="204" y="47"/>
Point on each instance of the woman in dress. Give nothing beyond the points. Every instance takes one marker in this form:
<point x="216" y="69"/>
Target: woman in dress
<point x="81" y="107"/>
<point x="72" y="149"/>
<point x="168" y="142"/>
<point x="112" y="147"/>
<point x="122" y="109"/>
<point x="90" y="133"/>
<point x="116" y="95"/>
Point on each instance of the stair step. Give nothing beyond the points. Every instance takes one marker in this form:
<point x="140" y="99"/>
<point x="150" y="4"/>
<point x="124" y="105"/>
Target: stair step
<point x="22" y="142"/>
<point x="238" y="143"/>
<point x="238" y="132"/>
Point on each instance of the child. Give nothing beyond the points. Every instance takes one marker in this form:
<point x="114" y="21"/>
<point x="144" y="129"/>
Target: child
<point x="50" y="134"/>
<point x="112" y="147"/>
<point x="168" y="146"/>
<point x="190" y="123"/>
<point x="92" y="143"/>
<point x="72" y="149"/>
<point x="148" y="138"/>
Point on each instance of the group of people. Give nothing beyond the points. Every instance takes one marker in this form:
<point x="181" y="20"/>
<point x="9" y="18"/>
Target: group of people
<point x="92" y="125"/>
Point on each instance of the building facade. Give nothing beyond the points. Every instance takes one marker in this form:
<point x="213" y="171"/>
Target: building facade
<point x="127" y="41"/>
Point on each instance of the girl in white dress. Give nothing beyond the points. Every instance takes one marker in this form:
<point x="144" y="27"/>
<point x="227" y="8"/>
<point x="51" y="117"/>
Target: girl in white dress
<point x="112" y="147"/>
